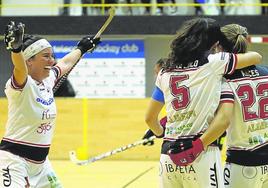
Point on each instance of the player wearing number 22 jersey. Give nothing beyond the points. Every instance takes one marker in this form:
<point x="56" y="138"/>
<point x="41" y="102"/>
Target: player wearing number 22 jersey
<point x="247" y="135"/>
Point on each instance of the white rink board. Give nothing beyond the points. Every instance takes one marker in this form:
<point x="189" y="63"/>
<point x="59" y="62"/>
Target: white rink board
<point x="116" y="69"/>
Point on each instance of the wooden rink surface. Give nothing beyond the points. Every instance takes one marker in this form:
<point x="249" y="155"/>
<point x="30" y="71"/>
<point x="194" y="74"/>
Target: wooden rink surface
<point x="112" y="123"/>
<point x="108" y="174"/>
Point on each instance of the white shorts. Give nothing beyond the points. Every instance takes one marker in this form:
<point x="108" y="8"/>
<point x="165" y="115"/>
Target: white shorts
<point x="205" y="172"/>
<point x="16" y="172"/>
<point x="245" y="176"/>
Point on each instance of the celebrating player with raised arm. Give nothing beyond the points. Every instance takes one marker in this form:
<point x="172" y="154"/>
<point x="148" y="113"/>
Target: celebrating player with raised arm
<point x="190" y="87"/>
<point x="32" y="109"/>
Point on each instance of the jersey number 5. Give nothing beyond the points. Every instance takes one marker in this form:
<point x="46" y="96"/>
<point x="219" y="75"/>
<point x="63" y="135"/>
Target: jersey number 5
<point x="247" y="98"/>
<point x="181" y="93"/>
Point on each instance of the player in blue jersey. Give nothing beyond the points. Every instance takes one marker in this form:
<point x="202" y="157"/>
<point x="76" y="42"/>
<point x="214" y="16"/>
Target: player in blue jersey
<point x="189" y="86"/>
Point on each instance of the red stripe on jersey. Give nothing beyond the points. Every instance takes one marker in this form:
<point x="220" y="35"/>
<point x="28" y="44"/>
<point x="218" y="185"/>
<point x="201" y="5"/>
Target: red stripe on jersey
<point x="234" y="63"/>
<point x="59" y="71"/>
<point x="231" y="64"/>
<point x="26" y="143"/>
<point x="15" y="85"/>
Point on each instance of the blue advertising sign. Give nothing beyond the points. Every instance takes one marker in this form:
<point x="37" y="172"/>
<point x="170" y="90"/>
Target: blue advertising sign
<point x="106" y="49"/>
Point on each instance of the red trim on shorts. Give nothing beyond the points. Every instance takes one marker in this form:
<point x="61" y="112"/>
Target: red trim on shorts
<point x="183" y="137"/>
<point x="33" y="161"/>
<point x="26" y="143"/>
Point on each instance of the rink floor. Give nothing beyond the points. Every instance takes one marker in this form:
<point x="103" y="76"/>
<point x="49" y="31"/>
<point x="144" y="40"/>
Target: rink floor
<point x="108" y="174"/>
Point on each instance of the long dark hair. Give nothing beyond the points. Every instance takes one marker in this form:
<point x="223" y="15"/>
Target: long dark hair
<point x="194" y="38"/>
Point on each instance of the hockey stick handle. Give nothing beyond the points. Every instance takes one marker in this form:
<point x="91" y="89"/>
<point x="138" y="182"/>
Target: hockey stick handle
<point x="109" y="153"/>
<point x="106" y="23"/>
<point x="101" y="30"/>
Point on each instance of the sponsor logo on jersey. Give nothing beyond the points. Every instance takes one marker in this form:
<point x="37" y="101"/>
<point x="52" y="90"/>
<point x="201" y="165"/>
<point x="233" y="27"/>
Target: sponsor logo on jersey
<point x="45" y="102"/>
<point x="179" y="169"/>
<point x="177" y="117"/>
<point x="47" y="115"/>
<point x="44" y="128"/>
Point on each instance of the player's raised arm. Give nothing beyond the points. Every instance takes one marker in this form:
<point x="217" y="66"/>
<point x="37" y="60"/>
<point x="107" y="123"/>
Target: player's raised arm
<point x="247" y="59"/>
<point x="14" y="39"/>
<point x="87" y="43"/>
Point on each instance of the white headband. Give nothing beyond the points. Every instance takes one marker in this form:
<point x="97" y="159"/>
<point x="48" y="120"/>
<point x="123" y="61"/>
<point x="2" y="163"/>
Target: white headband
<point x="35" y="48"/>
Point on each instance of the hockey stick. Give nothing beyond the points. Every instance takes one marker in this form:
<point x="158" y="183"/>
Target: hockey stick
<point x="75" y="160"/>
<point x="102" y="29"/>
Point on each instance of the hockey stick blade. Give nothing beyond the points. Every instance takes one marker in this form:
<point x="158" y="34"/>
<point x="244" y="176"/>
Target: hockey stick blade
<point x="75" y="160"/>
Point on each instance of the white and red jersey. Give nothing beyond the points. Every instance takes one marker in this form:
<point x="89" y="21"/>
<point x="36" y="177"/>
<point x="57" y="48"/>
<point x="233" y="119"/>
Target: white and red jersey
<point x="192" y="94"/>
<point x="31" y="112"/>
<point x="249" y="126"/>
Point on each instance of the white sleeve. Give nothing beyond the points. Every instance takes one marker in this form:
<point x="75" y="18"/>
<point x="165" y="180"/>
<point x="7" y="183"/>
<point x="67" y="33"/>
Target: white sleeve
<point x="223" y="62"/>
<point x="13" y="90"/>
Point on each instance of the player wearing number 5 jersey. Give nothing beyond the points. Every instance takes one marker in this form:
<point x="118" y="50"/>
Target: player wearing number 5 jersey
<point x="247" y="135"/>
<point x="190" y="87"/>
<point x="31" y="108"/>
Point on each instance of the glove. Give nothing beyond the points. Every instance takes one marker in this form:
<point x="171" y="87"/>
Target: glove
<point x="87" y="43"/>
<point x="149" y="133"/>
<point x="184" y="153"/>
<point x="13" y="36"/>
